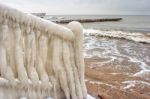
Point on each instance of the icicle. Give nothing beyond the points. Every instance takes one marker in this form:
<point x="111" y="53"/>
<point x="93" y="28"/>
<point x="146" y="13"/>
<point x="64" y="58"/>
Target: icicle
<point x="22" y="74"/>
<point x="69" y="71"/>
<point x="3" y="61"/>
<point x="31" y="52"/>
<point x="58" y="66"/>
<point x="76" y="75"/>
<point x="43" y="47"/>
<point x="49" y="68"/>
<point x="54" y="87"/>
<point x="6" y="71"/>
<point x="41" y="59"/>
<point x="11" y="49"/>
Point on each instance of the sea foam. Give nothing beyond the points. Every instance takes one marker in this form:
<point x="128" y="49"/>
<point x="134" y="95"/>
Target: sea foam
<point x="133" y="36"/>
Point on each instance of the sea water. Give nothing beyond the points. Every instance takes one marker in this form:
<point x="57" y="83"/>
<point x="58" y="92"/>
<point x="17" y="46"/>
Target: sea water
<point x="122" y="44"/>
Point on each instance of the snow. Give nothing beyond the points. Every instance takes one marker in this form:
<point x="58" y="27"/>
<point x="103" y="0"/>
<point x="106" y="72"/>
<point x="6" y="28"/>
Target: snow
<point x="90" y="97"/>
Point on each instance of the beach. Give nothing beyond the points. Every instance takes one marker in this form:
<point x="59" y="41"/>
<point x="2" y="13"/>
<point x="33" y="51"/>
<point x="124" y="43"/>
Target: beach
<point x="79" y="49"/>
<point x="110" y="85"/>
<point x="117" y="69"/>
<point x="117" y="57"/>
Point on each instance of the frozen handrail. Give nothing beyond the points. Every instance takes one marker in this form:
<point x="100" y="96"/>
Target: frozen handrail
<point x="35" y="22"/>
<point x="39" y="58"/>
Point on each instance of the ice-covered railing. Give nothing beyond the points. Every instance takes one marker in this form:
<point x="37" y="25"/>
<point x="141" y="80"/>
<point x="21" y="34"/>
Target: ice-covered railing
<point x="39" y="58"/>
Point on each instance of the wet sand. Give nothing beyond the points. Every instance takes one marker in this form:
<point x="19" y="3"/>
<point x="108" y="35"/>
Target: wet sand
<point x="117" y="64"/>
<point x="111" y="84"/>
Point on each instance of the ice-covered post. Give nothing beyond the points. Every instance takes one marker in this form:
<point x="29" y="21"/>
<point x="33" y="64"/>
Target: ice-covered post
<point x="77" y="29"/>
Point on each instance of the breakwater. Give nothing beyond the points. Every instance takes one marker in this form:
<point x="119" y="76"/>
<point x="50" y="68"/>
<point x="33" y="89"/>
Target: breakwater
<point x="87" y="20"/>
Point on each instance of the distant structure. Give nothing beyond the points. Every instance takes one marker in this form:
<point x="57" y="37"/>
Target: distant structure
<point x="88" y="20"/>
<point x="41" y="15"/>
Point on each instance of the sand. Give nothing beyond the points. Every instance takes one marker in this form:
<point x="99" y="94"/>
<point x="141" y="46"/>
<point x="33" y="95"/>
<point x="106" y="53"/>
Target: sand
<point x="111" y="84"/>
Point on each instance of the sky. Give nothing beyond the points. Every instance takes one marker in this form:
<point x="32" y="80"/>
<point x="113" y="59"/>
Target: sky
<point x="84" y="7"/>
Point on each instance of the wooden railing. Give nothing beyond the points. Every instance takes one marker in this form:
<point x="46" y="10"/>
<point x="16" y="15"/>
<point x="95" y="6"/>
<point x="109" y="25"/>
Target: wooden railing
<point x="39" y="58"/>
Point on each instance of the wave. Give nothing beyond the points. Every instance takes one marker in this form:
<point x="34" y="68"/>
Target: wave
<point x="133" y="36"/>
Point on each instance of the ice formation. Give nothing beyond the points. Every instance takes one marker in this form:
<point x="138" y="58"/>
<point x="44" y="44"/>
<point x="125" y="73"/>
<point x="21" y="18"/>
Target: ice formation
<point x="40" y="59"/>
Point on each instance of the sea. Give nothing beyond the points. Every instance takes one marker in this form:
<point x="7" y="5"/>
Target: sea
<point x="123" y="44"/>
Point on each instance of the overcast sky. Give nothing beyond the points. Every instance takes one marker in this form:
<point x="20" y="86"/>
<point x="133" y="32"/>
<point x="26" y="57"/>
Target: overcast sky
<point x="112" y="7"/>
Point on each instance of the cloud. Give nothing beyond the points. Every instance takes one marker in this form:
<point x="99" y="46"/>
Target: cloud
<point x="82" y="6"/>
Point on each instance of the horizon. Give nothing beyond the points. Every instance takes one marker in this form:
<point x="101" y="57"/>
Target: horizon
<point x="97" y="14"/>
<point x="82" y="7"/>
